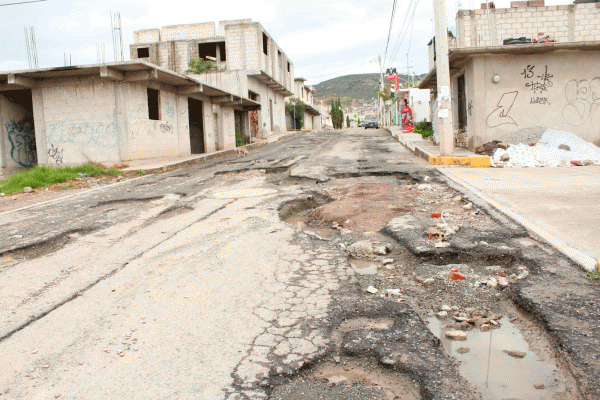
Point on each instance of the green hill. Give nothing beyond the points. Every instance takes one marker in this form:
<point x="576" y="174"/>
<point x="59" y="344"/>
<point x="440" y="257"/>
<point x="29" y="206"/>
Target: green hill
<point x="348" y="87"/>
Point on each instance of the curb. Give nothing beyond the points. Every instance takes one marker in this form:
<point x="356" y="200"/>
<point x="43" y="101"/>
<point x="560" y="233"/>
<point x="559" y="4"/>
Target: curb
<point x="475" y="161"/>
<point x="203" y="158"/>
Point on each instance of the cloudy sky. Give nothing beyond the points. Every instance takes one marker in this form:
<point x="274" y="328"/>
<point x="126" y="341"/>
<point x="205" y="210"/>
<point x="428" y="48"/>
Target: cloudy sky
<point x="323" y="38"/>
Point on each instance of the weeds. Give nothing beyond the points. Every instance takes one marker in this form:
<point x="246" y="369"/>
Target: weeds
<point x="140" y="172"/>
<point x="595" y="274"/>
<point x="42" y="176"/>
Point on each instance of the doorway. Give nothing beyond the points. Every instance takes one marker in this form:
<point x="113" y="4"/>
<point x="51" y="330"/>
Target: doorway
<point x="20" y="129"/>
<point x="196" y="126"/>
<point x="271" y="112"/>
<point x="462" y="102"/>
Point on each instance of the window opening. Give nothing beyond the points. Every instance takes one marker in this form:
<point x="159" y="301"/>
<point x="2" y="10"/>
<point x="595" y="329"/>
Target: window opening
<point x="265" y="44"/>
<point x="143" y="52"/>
<point x="153" y="102"/>
<point x="289" y="67"/>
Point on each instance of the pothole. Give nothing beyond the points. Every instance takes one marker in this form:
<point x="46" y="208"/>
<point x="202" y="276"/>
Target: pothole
<point x="364" y="267"/>
<point x="350" y="378"/>
<point x="301" y="222"/>
<point x="500" y="363"/>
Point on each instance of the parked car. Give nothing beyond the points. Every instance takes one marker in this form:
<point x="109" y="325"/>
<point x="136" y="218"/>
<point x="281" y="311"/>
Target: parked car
<point x="361" y="124"/>
<point x="371" y="122"/>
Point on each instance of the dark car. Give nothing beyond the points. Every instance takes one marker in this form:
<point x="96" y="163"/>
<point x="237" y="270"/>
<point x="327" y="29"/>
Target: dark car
<point x="371" y="123"/>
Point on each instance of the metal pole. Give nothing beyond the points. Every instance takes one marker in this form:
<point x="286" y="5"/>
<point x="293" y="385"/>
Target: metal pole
<point x="444" y="117"/>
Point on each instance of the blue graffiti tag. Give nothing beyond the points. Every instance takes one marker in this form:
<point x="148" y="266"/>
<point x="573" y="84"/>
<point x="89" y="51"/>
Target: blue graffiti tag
<point x="103" y="134"/>
<point x="22" y="142"/>
<point x="170" y="110"/>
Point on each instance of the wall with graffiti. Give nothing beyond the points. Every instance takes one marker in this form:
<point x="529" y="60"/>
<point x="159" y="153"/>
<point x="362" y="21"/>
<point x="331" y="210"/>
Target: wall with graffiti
<point x="520" y="93"/>
<point x="80" y="123"/>
<point x="18" y="134"/>
<point x="167" y="136"/>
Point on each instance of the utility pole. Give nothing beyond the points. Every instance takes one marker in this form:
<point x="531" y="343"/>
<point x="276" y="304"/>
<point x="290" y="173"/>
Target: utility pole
<point x="444" y="113"/>
<point x="381" y="84"/>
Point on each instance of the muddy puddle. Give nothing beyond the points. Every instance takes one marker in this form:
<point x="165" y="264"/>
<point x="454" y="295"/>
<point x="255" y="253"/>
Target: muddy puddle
<point x="483" y="361"/>
<point x="364" y="267"/>
<point x="349" y="378"/>
<point x="300" y="222"/>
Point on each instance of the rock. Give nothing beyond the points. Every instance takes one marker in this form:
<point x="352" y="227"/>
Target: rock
<point x="441" y="244"/>
<point x="564" y="147"/>
<point x="442" y="314"/>
<point x="335" y="379"/>
<point x="503" y="146"/>
<point x="492" y="282"/>
<point x="577" y="163"/>
<point x="456" y="335"/>
<point x="446" y="307"/>
<point x="515" y="353"/>
<point x="428" y="281"/>
<point x="334" y="225"/>
<point x="394" y="292"/>
<point x="345" y="231"/>
<point x="463" y="350"/>
<point x="476" y="284"/>
<point x="494" y="323"/>
<point x="504" y="157"/>
<point x="484" y="327"/>
<point x="424" y="186"/>
<point x="539" y="386"/>
<point x="457" y="198"/>
<point x="337" y="359"/>
<point x="372" y="290"/>
<point x="502" y="282"/>
<point x="367" y="249"/>
<point x="27" y="189"/>
<point x="2" y="194"/>
<point x="455" y="308"/>
<point x="387" y="261"/>
<point x="468" y="206"/>
<point x="419" y="279"/>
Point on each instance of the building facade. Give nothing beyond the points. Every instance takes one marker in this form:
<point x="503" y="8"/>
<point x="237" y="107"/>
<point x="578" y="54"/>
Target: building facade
<point x="251" y="65"/>
<point x="514" y="92"/>
<point x="312" y="115"/>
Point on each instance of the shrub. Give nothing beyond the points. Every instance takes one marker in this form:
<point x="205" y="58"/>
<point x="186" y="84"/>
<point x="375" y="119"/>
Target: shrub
<point x="424" y="128"/>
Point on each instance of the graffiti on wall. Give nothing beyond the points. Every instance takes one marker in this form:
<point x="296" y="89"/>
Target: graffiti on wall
<point x="500" y="116"/>
<point x="56" y="154"/>
<point x="166" y="127"/>
<point x="583" y="102"/>
<point x="170" y="110"/>
<point x="21" y="136"/>
<point x="538" y="83"/>
<point x="103" y="134"/>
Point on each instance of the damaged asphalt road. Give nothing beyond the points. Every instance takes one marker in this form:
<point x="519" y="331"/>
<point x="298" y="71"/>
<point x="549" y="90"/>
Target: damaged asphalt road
<point x="189" y="284"/>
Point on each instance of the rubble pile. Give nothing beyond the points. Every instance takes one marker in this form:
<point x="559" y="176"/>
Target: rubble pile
<point x="554" y="149"/>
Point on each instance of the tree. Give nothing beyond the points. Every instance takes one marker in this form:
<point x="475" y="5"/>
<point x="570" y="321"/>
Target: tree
<point x="200" y="65"/>
<point x="295" y="108"/>
<point x="347" y="121"/>
<point x="337" y="115"/>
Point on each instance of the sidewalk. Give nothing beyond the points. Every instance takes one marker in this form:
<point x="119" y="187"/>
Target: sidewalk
<point x="431" y="152"/>
<point x="162" y="164"/>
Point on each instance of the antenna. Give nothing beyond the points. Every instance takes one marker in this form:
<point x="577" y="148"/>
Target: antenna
<point x="117" y="35"/>
<point x="31" y="48"/>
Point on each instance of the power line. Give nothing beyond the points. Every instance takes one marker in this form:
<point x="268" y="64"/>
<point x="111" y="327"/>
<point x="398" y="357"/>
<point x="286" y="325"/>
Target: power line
<point x="22" y="2"/>
<point x="390" y="31"/>
<point x="404" y="22"/>
<point x="411" y="23"/>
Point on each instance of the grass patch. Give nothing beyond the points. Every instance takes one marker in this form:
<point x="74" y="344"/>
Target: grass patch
<point x="595" y="274"/>
<point x="42" y="176"/>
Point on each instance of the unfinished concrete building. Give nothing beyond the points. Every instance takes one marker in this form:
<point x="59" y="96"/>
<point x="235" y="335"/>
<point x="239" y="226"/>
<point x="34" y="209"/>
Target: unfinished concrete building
<point x="251" y="65"/>
<point x="305" y="93"/>
<point x="111" y="113"/>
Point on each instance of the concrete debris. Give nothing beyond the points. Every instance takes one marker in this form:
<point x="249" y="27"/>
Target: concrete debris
<point x="424" y="186"/>
<point x="367" y="249"/>
<point x="515" y="353"/>
<point x="428" y="281"/>
<point x="372" y="290"/>
<point x="442" y="314"/>
<point x="456" y="335"/>
<point x="446" y="307"/>
<point x="27" y="189"/>
<point x="387" y="261"/>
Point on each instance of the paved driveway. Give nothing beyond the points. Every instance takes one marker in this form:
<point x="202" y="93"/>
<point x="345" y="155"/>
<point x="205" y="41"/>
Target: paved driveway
<point x="559" y="204"/>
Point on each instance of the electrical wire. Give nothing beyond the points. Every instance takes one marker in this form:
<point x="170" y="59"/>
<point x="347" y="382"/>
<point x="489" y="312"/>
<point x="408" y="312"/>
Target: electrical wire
<point x="390" y="31"/>
<point x="411" y="23"/>
<point x="404" y="22"/>
<point x="22" y="2"/>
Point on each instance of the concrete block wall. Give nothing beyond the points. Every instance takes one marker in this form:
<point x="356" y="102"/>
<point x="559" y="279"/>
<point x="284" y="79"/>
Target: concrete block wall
<point x="168" y="136"/>
<point x="152" y="50"/>
<point x="236" y="46"/>
<point x="232" y="81"/>
<point x="223" y="24"/>
<point x="564" y="23"/>
<point x="18" y="141"/>
<point x="188" y="31"/>
<point x="146" y="36"/>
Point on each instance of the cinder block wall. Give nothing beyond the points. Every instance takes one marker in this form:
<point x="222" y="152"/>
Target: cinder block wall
<point x="564" y="23"/>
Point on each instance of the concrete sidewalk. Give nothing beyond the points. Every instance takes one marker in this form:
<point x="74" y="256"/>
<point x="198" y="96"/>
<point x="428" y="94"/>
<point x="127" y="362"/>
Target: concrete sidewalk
<point x="430" y="152"/>
<point x="559" y="205"/>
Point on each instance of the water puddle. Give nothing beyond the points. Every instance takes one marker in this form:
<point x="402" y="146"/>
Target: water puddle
<point x="364" y="267"/>
<point x="486" y="365"/>
<point x="299" y="221"/>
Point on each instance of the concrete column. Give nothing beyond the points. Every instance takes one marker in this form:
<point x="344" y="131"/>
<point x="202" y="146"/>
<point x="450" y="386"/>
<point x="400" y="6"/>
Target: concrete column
<point x="121" y="119"/>
<point x="444" y="114"/>
<point x="39" y="123"/>
<point x="479" y="102"/>
<point x="183" y="126"/>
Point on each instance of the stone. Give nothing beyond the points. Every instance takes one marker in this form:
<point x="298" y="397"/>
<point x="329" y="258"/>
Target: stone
<point x="335" y="379"/>
<point x="456" y="335"/>
<point x="576" y="163"/>
<point x="2" y="194"/>
<point x="442" y="314"/>
<point x="27" y="189"/>
<point x="515" y="353"/>
<point x="393" y="292"/>
<point x="345" y="231"/>
<point x="367" y="249"/>
<point x="457" y="198"/>
<point x="428" y="281"/>
<point x="587" y="162"/>
<point x="463" y="350"/>
<point x="503" y="146"/>
<point x="387" y="261"/>
<point x="484" y="327"/>
<point x="468" y="206"/>
<point x="337" y="359"/>
<point x="446" y="308"/>
<point x="502" y="282"/>
<point x="424" y="186"/>
<point x="334" y="225"/>
<point x="492" y="282"/>
<point x="564" y="147"/>
<point x="372" y="290"/>
<point x="504" y="157"/>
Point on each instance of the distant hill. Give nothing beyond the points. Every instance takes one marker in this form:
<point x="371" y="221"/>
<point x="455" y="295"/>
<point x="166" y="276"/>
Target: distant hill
<point x="348" y="87"/>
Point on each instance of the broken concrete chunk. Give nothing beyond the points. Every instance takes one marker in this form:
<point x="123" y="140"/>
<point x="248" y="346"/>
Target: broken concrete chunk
<point x="27" y="189"/>
<point x="515" y="353"/>
<point x="456" y="335"/>
<point x="372" y="290"/>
